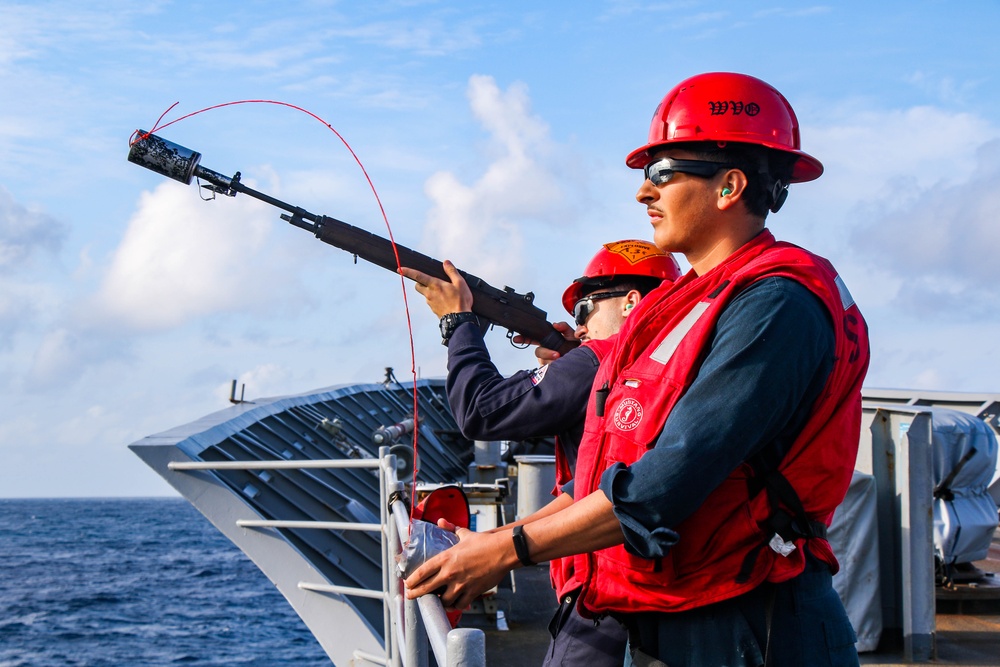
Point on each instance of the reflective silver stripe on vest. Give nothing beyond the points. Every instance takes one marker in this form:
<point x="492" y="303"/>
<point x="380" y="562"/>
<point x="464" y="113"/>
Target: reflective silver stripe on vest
<point x="668" y="346"/>
<point x="845" y="295"/>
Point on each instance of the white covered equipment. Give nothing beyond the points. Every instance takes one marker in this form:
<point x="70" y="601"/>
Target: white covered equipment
<point x="965" y="462"/>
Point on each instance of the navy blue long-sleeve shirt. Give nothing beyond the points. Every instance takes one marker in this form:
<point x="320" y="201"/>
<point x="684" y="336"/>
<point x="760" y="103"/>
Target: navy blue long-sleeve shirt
<point x="767" y="362"/>
<point x="548" y="401"/>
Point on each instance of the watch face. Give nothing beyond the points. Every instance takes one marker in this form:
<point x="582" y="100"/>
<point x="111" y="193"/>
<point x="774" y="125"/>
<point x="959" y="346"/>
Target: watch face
<point x="450" y="321"/>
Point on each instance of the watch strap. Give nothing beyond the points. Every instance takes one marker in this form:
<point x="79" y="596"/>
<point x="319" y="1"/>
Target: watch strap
<point x="451" y="321"/>
<point x="521" y="546"/>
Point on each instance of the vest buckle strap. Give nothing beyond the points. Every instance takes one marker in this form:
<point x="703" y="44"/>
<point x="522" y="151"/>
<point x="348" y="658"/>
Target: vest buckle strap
<point x="780" y="546"/>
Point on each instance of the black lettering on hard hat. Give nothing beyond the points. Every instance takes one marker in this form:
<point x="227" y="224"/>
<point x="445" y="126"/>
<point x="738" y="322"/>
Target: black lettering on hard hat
<point x="718" y="108"/>
<point x="736" y="107"/>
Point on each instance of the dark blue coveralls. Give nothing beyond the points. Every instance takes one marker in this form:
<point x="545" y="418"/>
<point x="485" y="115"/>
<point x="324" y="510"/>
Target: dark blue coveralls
<point x="551" y="400"/>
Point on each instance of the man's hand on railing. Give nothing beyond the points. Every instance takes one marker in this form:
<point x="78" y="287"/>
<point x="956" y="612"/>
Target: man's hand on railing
<point x="476" y="564"/>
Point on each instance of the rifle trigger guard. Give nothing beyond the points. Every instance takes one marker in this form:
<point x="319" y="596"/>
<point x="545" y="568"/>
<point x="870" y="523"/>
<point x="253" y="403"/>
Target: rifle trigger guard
<point x="516" y="346"/>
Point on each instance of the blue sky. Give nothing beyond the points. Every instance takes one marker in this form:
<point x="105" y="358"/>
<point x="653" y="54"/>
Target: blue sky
<point x="495" y="134"/>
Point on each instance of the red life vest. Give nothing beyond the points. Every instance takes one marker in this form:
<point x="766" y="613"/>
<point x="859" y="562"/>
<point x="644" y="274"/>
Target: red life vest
<point x="561" y="569"/>
<point x="722" y="551"/>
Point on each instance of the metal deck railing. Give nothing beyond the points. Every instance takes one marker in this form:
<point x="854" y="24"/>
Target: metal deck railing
<point x="410" y="626"/>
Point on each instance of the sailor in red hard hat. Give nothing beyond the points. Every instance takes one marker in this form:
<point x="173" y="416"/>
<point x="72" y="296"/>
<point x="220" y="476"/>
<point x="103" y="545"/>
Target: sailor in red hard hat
<point x="550" y="401"/>
<point x="612" y="272"/>
<point x="723" y="426"/>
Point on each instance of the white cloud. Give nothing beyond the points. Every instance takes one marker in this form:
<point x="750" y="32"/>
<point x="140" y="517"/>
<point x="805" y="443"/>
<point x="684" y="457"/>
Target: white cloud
<point x="904" y="212"/>
<point x="56" y="356"/>
<point x="31" y="30"/>
<point x="22" y="306"/>
<point x="63" y="354"/>
<point x="796" y="12"/>
<point x="27" y="290"/>
<point x="12" y="43"/>
<point x="878" y="163"/>
<point x="261" y="54"/>
<point x="945" y="88"/>
<point x="943" y="244"/>
<point x="865" y="150"/>
<point x="620" y="8"/>
<point x="481" y="226"/>
<point x="182" y="258"/>
<point x="25" y="232"/>
<point x="428" y="36"/>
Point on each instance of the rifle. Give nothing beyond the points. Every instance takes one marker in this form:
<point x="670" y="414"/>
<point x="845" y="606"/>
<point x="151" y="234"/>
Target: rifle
<point x="506" y="308"/>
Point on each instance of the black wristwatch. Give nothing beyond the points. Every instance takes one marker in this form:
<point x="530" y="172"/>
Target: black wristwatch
<point x="451" y="321"/>
<point x="521" y="546"/>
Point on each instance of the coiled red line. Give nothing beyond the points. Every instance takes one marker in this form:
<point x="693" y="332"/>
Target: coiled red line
<point x="137" y="136"/>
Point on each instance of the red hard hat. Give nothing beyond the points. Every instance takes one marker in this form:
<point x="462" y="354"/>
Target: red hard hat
<point x="626" y="258"/>
<point x="722" y="107"/>
<point x="446" y="502"/>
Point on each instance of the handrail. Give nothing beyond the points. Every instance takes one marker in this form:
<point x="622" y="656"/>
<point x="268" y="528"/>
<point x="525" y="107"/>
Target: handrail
<point x="317" y="525"/>
<point x="409" y="625"/>
<point x="465" y="646"/>
<point x="432" y="611"/>
<point x="294" y="464"/>
<point x="342" y="590"/>
<point x="368" y="657"/>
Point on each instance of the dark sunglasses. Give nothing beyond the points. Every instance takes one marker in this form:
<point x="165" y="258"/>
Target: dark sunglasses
<point x="585" y="306"/>
<point x="660" y="171"/>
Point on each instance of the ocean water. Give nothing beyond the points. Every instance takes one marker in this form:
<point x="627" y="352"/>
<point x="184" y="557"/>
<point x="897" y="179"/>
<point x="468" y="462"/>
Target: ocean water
<point x="136" y="582"/>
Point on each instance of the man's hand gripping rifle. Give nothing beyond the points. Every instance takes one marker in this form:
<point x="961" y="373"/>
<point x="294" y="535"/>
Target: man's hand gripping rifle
<point x="505" y="308"/>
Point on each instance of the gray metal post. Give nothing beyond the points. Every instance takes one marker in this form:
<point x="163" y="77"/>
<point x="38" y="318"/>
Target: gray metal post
<point x="487" y="466"/>
<point x="487" y="452"/>
<point x="416" y="636"/>
<point x="437" y="625"/>
<point x="397" y="615"/>
<point x="902" y="466"/>
<point x="917" y="516"/>
<point x="387" y="625"/>
<point x="536" y="475"/>
<point x="884" y="471"/>
<point x="466" y="648"/>
<point x="432" y="613"/>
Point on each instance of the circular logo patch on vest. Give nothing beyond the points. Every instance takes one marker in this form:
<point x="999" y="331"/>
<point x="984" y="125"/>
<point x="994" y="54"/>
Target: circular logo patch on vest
<point x="628" y="414"/>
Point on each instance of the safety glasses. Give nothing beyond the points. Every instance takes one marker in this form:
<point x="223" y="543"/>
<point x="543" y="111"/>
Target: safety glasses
<point x="585" y="306"/>
<point x="660" y="171"/>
